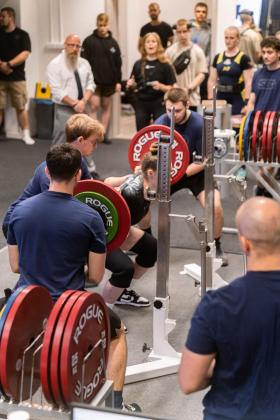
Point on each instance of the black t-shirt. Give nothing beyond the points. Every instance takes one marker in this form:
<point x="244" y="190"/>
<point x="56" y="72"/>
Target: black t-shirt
<point x="153" y="70"/>
<point x="132" y="192"/>
<point x="12" y="44"/>
<point x="163" y="30"/>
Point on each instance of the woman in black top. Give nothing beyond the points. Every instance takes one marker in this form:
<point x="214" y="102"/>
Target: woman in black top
<point x="151" y="77"/>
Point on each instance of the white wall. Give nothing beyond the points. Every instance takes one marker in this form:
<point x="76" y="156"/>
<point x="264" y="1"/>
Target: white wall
<point x="223" y="16"/>
<point x="78" y="17"/>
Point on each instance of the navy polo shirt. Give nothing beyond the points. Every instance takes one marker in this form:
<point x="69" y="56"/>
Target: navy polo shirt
<point x="241" y="324"/>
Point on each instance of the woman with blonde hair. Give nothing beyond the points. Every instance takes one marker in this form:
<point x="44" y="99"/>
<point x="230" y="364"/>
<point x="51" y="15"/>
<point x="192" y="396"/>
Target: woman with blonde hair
<point x="232" y="72"/>
<point x="150" y="78"/>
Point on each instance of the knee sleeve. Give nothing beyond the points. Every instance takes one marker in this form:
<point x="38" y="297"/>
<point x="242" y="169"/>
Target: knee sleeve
<point x="122" y="268"/>
<point x="146" y="250"/>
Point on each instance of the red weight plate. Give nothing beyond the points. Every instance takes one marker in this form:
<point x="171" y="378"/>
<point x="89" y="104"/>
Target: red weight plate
<point x="4" y="313"/>
<point x="119" y="202"/>
<point x="142" y="140"/>
<point x="88" y="323"/>
<point x="25" y="321"/>
<point x="56" y="348"/>
<point x="278" y="141"/>
<point x="255" y="134"/>
<point x="249" y="137"/>
<point x="264" y="135"/>
<point x="47" y="342"/>
<point x="269" y="136"/>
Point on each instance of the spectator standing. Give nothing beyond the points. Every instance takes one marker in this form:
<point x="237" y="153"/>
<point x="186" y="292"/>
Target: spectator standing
<point x="249" y="39"/>
<point x="15" y="47"/>
<point x="103" y="53"/>
<point x="232" y="72"/>
<point x="234" y="341"/>
<point x="265" y="87"/>
<point x="266" y="81"/>
<point x="71" y="81"/>
<point x="162" y="28"/>
<point x="201" y="35"/>
<point x="151" y="77"/>
<point x="189" y="62"/>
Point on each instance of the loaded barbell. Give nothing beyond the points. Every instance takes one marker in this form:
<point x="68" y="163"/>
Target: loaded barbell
<point x="72" y="338"/>
<point x="141" y="143"/>
<point x="259" y="137"/>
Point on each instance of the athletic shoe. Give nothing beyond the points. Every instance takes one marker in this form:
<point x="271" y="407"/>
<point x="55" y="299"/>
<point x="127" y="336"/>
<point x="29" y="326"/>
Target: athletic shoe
<point x="106" y="141"/>
<point x="130" y="297"/>
<point x="132" y="408"/>
<point x="28" y="140"/>
<point x="220" y="254"/>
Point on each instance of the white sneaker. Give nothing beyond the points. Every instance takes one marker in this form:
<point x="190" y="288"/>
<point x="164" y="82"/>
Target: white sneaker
<point x="28" y="140"/>
<point x="130" y="297"/>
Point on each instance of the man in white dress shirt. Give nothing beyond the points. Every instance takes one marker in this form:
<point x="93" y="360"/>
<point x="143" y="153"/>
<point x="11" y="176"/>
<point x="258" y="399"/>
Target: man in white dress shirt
<point x="71" y="81"/>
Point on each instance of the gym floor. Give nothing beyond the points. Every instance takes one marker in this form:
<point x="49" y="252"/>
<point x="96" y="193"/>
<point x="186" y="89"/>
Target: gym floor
<point x="160" y="397"/>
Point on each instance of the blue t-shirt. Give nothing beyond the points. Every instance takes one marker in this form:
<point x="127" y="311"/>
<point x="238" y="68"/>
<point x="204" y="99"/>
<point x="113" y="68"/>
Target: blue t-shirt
<point x="241" y="324"/>
<point x="54" y="233"/>
<point x="37" y="184"/>
<point x="191" y="130"/>
<point x="266" y="87"/>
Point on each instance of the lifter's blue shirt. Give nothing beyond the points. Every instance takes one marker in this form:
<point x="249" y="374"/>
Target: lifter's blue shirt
<point x="266" y="87"/>
<point x="241" y="324"/>
<point x="63" y="232"/>
<point x="37" y="184"/>
<point x="191" y="130"/>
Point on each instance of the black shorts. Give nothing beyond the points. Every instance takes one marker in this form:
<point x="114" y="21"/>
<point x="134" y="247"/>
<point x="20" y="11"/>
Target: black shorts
<point x="195" y="183"/>
<point x="115" y="323"/>
<point x="105" y="90"/>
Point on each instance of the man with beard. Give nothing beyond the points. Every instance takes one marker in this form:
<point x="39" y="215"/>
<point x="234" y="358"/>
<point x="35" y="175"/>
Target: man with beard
<point x="71" y="83"/>
<point x="164" y="30"/>
<point x="15" y="47"/>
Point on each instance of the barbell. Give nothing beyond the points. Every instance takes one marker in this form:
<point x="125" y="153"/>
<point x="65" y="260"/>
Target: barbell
<point x="259" y="137"/>
<point x="64" y="347"/>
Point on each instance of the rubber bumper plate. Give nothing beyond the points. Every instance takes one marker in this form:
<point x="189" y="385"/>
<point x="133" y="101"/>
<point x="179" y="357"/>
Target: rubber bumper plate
<point x="141" y="143"/>
<point x="47" y="345"/>
<point x="86" y="335"/>
<point x="85" y="190"/>
<point x="25" y="321"/>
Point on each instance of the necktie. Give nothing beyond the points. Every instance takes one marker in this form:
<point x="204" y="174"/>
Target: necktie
<point x="79" y="84"/>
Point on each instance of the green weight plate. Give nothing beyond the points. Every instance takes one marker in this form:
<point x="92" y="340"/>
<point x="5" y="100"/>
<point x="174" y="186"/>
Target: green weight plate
<point x="105" y="208"/>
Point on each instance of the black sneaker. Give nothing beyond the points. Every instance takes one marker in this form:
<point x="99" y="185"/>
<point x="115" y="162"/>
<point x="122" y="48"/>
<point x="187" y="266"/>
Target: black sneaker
<point x="130" y="297"/>
<point x="106" y="141"/>
<point x="132" y="408"/>
<point x="220" y="254"/>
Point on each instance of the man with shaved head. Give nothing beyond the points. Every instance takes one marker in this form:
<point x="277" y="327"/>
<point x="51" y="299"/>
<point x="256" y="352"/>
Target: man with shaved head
<point x="233" y="344"/>
<point x="162" y="28"/>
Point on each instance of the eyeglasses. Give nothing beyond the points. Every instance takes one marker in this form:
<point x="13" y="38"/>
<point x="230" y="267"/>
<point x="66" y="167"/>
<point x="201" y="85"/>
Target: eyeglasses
<point x="74" y="46"/>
